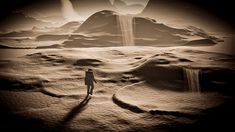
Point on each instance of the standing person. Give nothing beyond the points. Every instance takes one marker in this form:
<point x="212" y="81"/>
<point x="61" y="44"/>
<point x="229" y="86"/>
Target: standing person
<point x="89" y="79"/>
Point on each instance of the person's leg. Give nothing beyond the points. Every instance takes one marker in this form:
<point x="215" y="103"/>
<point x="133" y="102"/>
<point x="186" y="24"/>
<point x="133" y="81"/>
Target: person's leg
<point x="88" y="89"/>
<point x="92" y="87"/>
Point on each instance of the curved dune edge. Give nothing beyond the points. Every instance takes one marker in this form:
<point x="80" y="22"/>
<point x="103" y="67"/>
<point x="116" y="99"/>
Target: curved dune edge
<point x="59" y="94"/>
<point x="125" y="105"/>
<point x="135" y="108"/>
<point x="184" y="109"/>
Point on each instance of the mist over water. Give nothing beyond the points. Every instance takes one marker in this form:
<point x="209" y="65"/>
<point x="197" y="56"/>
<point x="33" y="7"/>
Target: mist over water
<point x="127" y="30"/>
<point x="193" y="79"/>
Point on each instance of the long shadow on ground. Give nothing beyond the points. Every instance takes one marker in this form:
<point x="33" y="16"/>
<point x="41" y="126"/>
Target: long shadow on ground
<point x="75" y="111"/>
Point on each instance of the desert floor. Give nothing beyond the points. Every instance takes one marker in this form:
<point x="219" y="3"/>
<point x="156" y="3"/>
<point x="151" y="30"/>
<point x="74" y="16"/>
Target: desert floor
<point x="138" y="89"/>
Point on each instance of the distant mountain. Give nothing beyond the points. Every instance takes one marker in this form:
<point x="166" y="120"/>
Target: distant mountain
<point x="19" y="34"/>
<point x="201" y="42"/>
<point x="18" y="21"/>
<point x="101" y="22"/>
<point x="68" y="27"/>
<point x="202" y="33"/>
<point x="73" y="24"/>
<point x="4" y="47"/>
<point x="59" y="33"/>
<point x="49" y="37"/>
<point x="49" y="46"/>
<point x="104" y="25"/>
<point x="149" y="32"/>
<point x="103" y="29"/>
<point x="40" y="33"/>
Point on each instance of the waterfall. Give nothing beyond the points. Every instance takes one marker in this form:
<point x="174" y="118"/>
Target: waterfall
<point x="193" y="79"/>
<point x="126" y="25"/>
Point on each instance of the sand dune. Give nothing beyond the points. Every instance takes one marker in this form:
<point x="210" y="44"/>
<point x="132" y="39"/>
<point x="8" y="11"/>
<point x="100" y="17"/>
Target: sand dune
<point x="138" y="88"/>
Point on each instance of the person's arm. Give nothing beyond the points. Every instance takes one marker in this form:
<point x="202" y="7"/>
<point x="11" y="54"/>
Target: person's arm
<point x="94" y="79"/>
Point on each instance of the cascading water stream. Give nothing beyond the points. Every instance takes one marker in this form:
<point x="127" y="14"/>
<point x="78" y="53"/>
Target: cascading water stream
<point x="127" y="30"/>
<point x="193" y="79"/>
